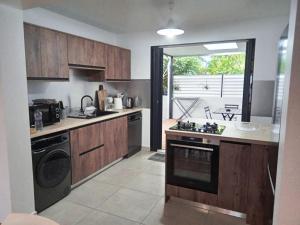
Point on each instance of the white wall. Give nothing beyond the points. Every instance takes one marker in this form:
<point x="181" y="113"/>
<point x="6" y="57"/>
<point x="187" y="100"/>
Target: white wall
<point x="14" y="126"/>
<point x="266" y="32"/>
<point x="287" y="194"/>
<point x="46" y="18"/>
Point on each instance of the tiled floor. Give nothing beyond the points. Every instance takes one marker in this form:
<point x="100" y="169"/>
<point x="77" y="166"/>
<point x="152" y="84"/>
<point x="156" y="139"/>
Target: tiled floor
<point x="130" y="193"/>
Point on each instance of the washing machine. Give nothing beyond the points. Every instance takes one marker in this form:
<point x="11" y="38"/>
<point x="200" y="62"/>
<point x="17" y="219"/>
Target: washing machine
<point x="51" y="169"/>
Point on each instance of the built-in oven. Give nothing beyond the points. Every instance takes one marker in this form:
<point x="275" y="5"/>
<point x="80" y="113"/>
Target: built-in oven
<point x="193" y="163"/>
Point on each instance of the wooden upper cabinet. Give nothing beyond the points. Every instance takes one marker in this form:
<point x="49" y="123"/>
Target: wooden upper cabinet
<point x="86" y="52"/>
<point x="233" y="176"/>
<point x="125" y="64"/>
<point x="33" y="51"/>
<point x="118" y="63"/>
<point x="54" y="54"/>
<point x="46" y="53"/>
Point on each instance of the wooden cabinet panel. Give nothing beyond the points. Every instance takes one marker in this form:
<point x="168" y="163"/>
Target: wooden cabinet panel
<point x="125" y="64"/>
<point x="82" y="51"/>
<point x="99" y="54"/>
<point x="87" y="151"/>
<point x="191" y="195"/>
<point x="260" y="202"/>
<point x="115" y="139"/>
<point x="91" y="162"/>
<point x="110" y="66"/>
<point x="118" y="63"/>
<point x="233" y="176"/>
<point x="46" y="53"/>
<point x="54" y="54"/>
<point x="32" y="51"/>
<point x="90" y="137"/>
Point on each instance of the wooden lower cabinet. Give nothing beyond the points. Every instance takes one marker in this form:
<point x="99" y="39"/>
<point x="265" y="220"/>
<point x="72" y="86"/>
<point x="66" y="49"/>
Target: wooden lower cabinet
<point x="87" y="151"/>
<point x="97" y="145"/>
<point x="233" y="176"/>
<point x="116" y="138"/>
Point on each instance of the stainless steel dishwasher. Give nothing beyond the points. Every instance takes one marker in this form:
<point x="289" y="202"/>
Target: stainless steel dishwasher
<point x="134" y="133"/>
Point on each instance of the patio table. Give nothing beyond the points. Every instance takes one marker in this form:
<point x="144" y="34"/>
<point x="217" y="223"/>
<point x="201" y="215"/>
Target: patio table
<point x="228" y="113"/>
<point x="185" y="110"/>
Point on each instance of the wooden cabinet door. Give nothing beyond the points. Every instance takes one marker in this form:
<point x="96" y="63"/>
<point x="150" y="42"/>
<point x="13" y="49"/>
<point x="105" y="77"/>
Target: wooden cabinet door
<point x="115" y="139"/>
<point x="99" y="54"/>
<point x="118" y="63"/>
<point x="260" y="198"/>
<point x="32" y="51"/>
<point x="110" y="65"/>
<point x="87" y="151"/>
<point x="125" y="56"/>
<point x="80" y="51"/>
<point x="54" y="54"/>
<point x="233" y="176"/>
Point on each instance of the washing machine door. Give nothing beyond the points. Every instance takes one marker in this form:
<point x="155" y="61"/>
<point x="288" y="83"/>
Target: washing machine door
<point x="53" y="168"/>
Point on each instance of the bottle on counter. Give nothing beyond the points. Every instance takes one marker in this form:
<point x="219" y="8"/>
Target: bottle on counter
<point x="38" y="120"/>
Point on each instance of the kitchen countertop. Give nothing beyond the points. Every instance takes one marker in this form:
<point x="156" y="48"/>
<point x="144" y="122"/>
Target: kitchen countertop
<point x="70" y="123"/>
<point x="263" y="133"/>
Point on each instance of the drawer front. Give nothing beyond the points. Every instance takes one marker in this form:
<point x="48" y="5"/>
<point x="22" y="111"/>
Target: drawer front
<point x="89" y="137"/>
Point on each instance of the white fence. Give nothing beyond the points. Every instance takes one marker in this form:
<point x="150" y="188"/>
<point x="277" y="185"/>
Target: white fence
<point x="212" y="90"/>
<point x="209" y="86"/>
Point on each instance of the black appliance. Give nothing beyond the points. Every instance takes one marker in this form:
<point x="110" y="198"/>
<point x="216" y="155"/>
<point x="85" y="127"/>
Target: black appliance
<point x="50" y="111"/>
<point x="211" y="128"/>
<point x="193" y="163"/>
<point x="51" y="169"/>
<point x="129" y="103"/>
<point x="134" y="133"/>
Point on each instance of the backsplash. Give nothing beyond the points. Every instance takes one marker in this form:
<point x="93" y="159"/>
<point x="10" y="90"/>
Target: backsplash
<point x="70" y="92"/>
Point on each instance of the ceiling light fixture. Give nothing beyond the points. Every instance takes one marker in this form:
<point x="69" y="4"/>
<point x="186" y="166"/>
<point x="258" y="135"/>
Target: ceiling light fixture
<point x="170" y="30"/>
<point x="221" y="46"/>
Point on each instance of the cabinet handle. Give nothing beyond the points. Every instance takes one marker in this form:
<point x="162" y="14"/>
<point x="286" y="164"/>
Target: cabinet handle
<point x="193" y="147"/>
<point x="271" y="182"/>
<point x="93" y="149"/>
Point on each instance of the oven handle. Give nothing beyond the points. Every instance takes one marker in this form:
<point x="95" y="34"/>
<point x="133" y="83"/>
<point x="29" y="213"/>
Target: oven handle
<point x="193" y="147"/>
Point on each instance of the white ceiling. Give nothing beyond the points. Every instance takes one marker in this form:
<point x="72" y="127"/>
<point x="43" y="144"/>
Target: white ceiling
<point x="121" y="16"/>
<point x="200" y="50"/>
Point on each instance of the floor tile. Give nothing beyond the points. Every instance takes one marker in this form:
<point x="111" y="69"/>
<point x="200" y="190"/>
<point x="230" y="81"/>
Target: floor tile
<point x="173" y="213"/>
<point x="152" y="184"/>
<point x="130" y="204"/>
<point x="117" y="176"/>
<point x="66" y="213"/>
<point x="92" y="193"/>
<point x="101" y="218"/>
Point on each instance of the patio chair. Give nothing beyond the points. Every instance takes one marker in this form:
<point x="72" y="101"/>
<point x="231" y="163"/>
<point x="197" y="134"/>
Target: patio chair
<point x="231" y="106"/>
<point x="207" y="112"/>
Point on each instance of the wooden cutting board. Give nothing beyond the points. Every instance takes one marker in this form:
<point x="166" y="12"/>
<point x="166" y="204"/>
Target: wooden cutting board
<point x="102" y="94"/>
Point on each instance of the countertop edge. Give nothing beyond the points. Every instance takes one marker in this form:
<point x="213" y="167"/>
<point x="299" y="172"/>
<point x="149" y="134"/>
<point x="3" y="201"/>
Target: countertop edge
<point x="82" y="122"/>
<point x="222" y="138"/>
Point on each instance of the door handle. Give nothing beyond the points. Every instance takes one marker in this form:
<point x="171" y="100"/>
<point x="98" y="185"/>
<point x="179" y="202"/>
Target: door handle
<point x="193" y="147"/>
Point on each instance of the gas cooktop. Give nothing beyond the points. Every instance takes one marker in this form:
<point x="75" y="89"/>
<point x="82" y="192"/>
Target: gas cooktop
<point x="211" y="128"/>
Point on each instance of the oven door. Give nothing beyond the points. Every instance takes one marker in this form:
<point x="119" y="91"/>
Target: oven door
<point x="193" y="165"/>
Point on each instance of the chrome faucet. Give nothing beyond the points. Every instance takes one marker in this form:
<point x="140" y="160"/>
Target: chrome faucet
<point x="85" y="96"/>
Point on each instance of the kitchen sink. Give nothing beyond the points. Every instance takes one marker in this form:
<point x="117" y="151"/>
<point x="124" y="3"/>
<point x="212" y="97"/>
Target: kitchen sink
<point x="80" y="115"/>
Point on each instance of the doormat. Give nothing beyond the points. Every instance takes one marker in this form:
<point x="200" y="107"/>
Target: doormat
<point x="158" y="157"/>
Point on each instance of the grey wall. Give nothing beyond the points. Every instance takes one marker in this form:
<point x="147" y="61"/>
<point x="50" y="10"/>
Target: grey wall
<point x="262" y="98"/>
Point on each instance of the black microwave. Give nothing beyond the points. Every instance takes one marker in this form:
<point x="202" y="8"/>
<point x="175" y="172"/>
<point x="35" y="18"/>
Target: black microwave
<point x="50" y="111"/>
